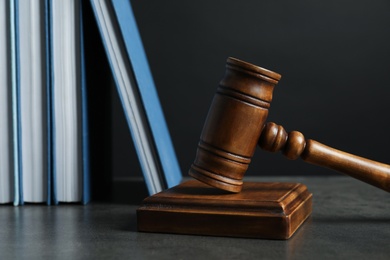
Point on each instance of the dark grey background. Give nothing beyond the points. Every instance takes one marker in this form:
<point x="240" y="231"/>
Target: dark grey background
<point x="333" y="55"/>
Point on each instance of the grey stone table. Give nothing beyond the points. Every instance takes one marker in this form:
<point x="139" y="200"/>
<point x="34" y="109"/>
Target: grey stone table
<point x="350" y="220"/>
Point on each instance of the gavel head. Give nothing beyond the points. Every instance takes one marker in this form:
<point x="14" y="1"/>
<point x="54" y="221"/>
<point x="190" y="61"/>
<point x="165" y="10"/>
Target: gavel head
<point x="233" y="125"/>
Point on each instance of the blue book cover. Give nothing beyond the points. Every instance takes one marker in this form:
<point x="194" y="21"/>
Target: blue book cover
<point x="132" y="75"/>
<point x="70" y="158"/>
<point x="86" y="197"/>
<point x="15" y="116"/>
<point x="48" y="102"/>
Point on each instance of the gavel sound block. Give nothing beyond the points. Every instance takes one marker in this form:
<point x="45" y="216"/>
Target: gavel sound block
<point x="261" y="210"/>
<point x="228" y="141"/>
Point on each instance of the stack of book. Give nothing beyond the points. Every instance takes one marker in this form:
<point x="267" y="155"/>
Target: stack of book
<point x="44" y="156"/>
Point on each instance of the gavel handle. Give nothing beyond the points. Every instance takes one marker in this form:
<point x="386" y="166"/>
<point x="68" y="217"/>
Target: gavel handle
<point x="293" y="145"/>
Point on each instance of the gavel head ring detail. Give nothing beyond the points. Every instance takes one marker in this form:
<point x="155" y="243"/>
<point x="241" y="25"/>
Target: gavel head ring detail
<point x="233" y="125"/>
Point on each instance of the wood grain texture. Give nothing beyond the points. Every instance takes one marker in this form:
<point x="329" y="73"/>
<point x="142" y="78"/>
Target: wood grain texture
<point x="233" y="125"/>
<point x="293" y="145"/>
<point x="261" y="210"/>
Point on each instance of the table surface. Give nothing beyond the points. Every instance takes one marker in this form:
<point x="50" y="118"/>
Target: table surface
<point x="350" y="220"/>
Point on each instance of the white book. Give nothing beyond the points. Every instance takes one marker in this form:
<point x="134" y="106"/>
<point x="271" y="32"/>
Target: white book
<point x="33" y="107"/>
<point x="69" y="122"/>
<point x="6" y="130"/>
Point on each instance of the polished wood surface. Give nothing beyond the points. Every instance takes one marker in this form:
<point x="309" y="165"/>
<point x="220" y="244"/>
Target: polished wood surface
<point x="233" y="125"/>
<point x="272" y="210"/>
<point x="294" y="145"/>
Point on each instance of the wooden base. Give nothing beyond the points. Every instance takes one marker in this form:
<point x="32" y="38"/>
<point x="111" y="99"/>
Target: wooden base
<point x="261" y="210"/>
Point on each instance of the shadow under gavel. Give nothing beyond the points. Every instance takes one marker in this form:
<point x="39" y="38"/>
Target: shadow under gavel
<point x="235" y="125"/>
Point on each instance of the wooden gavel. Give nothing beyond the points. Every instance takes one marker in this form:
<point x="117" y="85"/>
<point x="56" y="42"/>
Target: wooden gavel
<point x="235" y="125"/>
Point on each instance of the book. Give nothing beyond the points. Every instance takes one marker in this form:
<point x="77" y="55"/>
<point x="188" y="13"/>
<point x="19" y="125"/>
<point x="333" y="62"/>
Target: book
<point x="7" y="89"/>
<point x="32" y="100"/>
<point x="69" y="103"/>
<point x="137" y="93"/>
